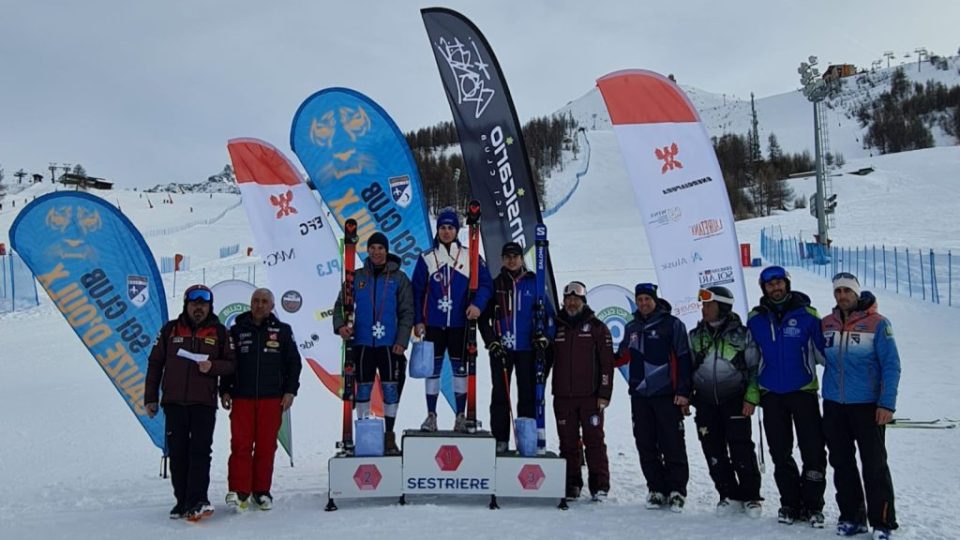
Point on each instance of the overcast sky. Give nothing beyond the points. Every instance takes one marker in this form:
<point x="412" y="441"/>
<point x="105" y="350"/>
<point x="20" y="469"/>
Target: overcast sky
<point x="147" y="92"/>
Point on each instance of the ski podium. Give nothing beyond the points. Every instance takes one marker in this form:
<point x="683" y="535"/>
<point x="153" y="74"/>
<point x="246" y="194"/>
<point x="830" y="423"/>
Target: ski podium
<point x="448" y="462"/>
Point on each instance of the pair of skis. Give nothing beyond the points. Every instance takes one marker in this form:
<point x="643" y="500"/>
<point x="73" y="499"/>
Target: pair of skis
<point x="350" y="238"/>
<point x="936" y="423"/>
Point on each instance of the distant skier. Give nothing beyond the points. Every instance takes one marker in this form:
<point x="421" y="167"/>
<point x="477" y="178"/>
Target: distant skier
<point x="787" y="331"/>
<point x="440" y="283"/>
<point x="859" y="397"/>
<point x="656" y="346"/>
<point x="725" y="360"/>
<point x="190" y="353"/>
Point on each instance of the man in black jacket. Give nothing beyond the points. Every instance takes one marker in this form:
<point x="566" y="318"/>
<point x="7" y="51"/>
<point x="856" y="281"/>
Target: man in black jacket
<point x="264" y="385"/>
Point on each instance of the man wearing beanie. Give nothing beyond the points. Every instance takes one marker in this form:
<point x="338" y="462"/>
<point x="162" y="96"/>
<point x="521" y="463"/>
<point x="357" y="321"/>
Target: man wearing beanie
<point x="859" y="397"/>
<point x="787" y="331"/>
<point x="582" y="364"/>
<point x="725" y="393"/>
<point x="508" y="329"/>
<point x="656" y="347"/>
<point x="383" y="318"/>
<point x="190" y="353"/>
<point x="441" y="282"/>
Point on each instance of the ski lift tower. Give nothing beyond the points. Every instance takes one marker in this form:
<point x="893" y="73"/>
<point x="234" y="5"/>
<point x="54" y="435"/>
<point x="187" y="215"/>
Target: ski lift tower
<point x="815" y="90"/>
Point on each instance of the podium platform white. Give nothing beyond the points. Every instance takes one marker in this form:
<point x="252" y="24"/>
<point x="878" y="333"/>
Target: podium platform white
<point x="447" y="463"/>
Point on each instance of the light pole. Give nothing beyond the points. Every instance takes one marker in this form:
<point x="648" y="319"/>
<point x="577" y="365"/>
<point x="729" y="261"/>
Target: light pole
<point x="921" y="53"/>
<point x="815" y="90"/>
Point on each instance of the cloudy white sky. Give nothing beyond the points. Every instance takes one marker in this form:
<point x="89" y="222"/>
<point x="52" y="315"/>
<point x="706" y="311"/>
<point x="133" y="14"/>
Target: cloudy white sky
<point x="144" y="92"/>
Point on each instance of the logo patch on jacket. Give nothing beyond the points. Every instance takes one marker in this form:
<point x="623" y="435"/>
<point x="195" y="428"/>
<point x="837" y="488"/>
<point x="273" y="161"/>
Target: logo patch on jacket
<point x="273" y="336"/>
<point x="210" y="341"/>
<point x="273" y="344"/>
<point x="176" y="339"/>
<point x="585" y="328"/>
<point x="855" y="338"/>
<point x="361" y="284"/>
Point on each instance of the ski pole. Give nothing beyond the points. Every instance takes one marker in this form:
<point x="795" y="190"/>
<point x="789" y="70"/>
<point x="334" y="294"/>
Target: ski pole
<point x="763" y="465"/>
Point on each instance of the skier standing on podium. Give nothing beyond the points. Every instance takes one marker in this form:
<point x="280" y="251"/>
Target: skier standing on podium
<point x="383" y="317"/>
<point x="508" y="329"/>
<point x="440" y="283"/>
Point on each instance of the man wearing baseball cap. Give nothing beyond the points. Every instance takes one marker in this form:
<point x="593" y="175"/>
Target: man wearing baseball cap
<point x="787" y="331"/>
<point x="859" y="396"/>
<point x="509" y="331"/>
<point x="656" y="346"/>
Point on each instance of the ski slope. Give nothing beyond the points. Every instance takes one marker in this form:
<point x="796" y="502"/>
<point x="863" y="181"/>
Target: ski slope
<point x="76" y="464"/>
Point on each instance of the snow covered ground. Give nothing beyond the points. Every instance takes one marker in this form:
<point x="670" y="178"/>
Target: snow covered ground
<point x="75" y="463"/>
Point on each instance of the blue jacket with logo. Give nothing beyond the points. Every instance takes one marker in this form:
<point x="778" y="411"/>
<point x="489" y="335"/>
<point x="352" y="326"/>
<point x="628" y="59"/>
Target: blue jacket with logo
<point x="790" y="341"/>
<point x="862" y="362"/>
<point x="383" y="305"/>
<point x="509" y="315"/>
<point x="659" y="354"/>
<point x="441" y="281"/>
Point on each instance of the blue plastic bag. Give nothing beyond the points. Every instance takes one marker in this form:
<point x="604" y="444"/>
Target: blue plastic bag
<point x="421" y="360"/>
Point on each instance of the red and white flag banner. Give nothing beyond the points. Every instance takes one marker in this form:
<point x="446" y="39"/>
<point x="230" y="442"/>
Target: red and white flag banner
<point x="678" y="187"/>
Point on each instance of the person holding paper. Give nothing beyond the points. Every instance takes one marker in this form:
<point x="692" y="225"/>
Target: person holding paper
<point x="190" y="354"/>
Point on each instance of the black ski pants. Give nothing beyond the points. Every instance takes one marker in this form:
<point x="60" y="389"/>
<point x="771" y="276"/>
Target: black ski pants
<point x="781" y="414"/>
<point x="658" y="433"/>
<point x="845" y="425"/>
<point x="501" y="372"/>
<point x="576" y="416"/>
<point x="189" y="444"/>
<point x="726" y="438"/>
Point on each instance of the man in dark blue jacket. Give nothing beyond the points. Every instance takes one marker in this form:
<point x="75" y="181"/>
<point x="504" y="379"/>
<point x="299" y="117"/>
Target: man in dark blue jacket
<point x="787" y="331"/>
<point x="441" y="282"/>
<point x="859" y="396"/>
<point x="656" y="346"/>
<point x="507" y="327"/>
<point x="383" y="317"/>
<point x="262" y="387"/>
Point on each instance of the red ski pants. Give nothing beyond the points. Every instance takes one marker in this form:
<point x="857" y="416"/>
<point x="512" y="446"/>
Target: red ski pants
<point x="254" y="424"/>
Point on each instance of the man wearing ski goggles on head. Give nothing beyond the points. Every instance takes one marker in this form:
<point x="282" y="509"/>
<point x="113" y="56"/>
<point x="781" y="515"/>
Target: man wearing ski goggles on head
<point x="191" y="352"/>
<point x="787" y="331"/>
<point x="725" y="360"/>
<point x="582" y="366"/>
<point x="860" y="380"/>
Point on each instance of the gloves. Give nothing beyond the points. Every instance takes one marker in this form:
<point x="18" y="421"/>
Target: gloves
<point x="540" y="342"/>
<point x="496" y="350"/>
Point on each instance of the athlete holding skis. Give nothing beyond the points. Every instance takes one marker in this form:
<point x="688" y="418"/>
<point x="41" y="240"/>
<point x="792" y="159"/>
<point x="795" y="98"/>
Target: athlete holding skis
<point x="383" y="317"/>
<point x="507" y="326"/>
<point x="441" y="311"/>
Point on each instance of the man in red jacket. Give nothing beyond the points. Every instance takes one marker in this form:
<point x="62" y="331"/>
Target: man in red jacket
<point x="191" y="352"/>
<point x="582" y="366"/>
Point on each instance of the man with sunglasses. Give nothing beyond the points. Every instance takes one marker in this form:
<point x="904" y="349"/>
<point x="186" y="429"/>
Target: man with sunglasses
<point x="582" y="364"/>
<point x="441" y="281"/>
<point x="508" y="329"/>
<point x="191" y="352"/>
<point x="787" y="330"/>
<point x="725" y="360"/>
<point x="859" y="396"/>
<point x="656" y="346"/>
